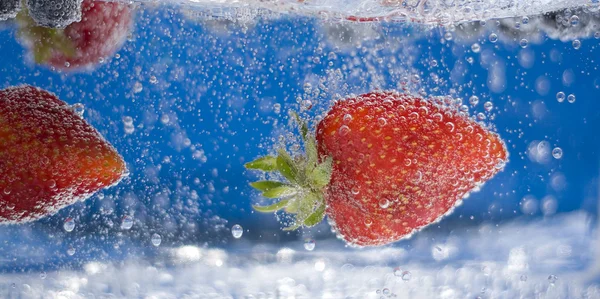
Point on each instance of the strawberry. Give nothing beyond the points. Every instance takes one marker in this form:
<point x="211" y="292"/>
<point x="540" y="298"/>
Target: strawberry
<point x="49" y="156"/>
<point x="103" y="28"/>
<point x="383" y="166"/>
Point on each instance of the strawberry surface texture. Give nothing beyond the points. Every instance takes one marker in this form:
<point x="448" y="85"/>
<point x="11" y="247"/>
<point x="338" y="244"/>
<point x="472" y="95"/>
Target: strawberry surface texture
<point x="50" y="157"/>
<point x="400" y="163"/>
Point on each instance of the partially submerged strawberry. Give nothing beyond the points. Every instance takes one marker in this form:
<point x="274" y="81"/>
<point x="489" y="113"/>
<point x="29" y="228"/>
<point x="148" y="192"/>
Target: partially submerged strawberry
<point x="383" y="166"/>
<point x="103" y="29"/>
<point x="49" y="156"/>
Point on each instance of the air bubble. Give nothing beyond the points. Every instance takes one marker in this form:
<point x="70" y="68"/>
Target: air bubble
<point x="71" y="251"/>
<point x="127" y="120"/>
<point x="165" y="119"/>
<point x="69" y="225"/>
<point x="386" y="292"/>
<point x="571" y="98"/>
<point x="384" y="203"/>
<point x="560" y="96"/>
<point x="474" y="100"/>
<point x="525" y="20"/>
<point x="344" y="130"/>
<point x="78" y="109"/>
<point x="557" y="153"/>
<point x="500" y="163"/>
<point x="277" y="108"/>
<point x="406" y="275"/>
<point x="493" y="37"/>
<point x="488" y="106"/>
<point x="480" y="116"/>
<point x="126" y="222"/>
<point x="156" y="240"/>
<point x="448" y="36"/>
<point x="306" y="105"/>
<point x="417" y="177"/>
<point x="237" y="231"/>
<point x="523" y="43"/>
<point x="574" y="20"/>
<point x="382" y="122"/>
<point x="552" y="279"/>
<point x="309" y="244"/>
<point x="523" y="277"/>
<point x="153" y="80"/>
<point x="475" y="48"/>
<point x="416" y="78"/>
<point x="576" y="44"/>
<point x="137" y="87"/>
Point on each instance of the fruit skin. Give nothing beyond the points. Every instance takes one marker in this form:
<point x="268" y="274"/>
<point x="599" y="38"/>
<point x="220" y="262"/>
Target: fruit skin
<point x="103" y="29"/>
<point x="54" y="13"/>
<point x="400" y="163"/>
<point x="49" y="157"/>
<point x="9" y="9"/>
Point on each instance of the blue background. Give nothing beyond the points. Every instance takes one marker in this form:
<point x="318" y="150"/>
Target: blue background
<point x="217" y="82"/>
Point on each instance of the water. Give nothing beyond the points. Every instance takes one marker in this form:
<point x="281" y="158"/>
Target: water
<point x="198" y="89"/>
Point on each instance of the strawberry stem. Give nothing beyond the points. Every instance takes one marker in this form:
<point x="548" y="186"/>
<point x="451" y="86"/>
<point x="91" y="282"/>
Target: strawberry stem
<point x="306" y="176"/>
<point x="44" y="40"/>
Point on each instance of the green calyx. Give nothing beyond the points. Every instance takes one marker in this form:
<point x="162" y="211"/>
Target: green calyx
<point x="306" y="175"/>
<point x="44" y="40"/>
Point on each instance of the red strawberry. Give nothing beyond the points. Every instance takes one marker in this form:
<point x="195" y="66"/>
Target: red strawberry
<point x="399" y="163"/>
<point x="103" y="28"/>
<point x="49" y="156"/>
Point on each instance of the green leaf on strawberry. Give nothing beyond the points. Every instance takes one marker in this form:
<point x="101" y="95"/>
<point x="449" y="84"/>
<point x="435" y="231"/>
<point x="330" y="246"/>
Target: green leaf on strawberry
<point x="268" y="163"/>
<point x="302" y="194"/>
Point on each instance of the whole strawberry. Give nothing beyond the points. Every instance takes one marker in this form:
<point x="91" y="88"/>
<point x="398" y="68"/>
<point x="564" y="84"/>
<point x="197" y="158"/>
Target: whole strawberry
<point x="103" y="29"/>
<point x="383" y="166"/>
<point x="49" y="156"/>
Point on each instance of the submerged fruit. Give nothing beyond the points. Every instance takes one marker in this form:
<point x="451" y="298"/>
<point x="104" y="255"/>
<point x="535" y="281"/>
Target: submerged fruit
<point x="398" y="163"/>
<point x="102" y="30"/>
<point x="49" y="156"/>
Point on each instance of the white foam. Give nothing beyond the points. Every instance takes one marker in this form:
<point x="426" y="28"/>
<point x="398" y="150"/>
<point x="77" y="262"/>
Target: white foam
<point x="510" y="261"/>
<point x="420" y="11"/>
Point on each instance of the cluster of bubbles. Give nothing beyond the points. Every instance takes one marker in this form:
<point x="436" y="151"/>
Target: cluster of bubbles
<point x="403" y="274"/>
<point x="385" y="292"/>
<point x="560" y="97"/>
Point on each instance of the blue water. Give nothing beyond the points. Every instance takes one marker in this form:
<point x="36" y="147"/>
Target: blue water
<point x="218" y="82"/>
